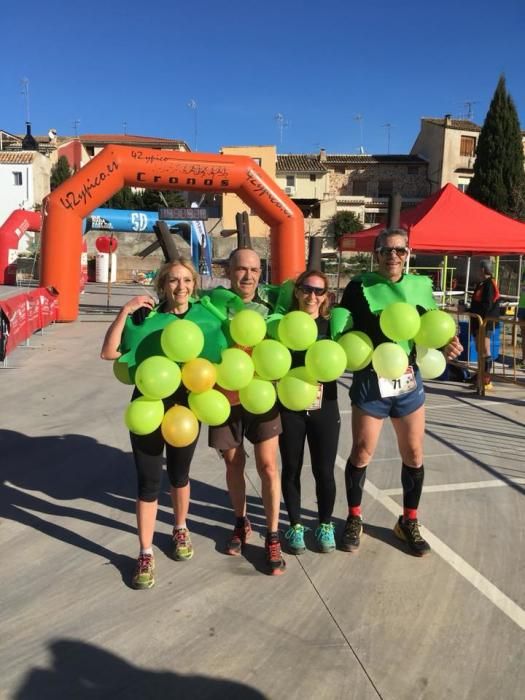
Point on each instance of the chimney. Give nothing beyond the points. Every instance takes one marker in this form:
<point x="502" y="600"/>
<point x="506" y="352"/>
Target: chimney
<point x="322" y="155"/>
<point x="448" y="120"/>
<point x="28" y="142"/>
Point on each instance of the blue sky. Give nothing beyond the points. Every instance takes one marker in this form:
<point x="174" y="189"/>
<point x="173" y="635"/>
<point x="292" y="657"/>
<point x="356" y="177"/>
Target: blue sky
<point x="337" y="71"/>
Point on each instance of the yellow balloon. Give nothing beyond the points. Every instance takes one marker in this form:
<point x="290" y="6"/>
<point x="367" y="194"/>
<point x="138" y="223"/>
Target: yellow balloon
<point x="199" y="375"/>
<point x="179" y="426"/>
<point x="389" y="360"/>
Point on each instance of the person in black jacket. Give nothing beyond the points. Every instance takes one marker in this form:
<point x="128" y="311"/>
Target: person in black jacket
<point x="485" y="303"/>
<point x="319" y="425"/>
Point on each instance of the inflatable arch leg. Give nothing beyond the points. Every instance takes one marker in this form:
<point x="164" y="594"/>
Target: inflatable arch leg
<point x="117" y="166"/>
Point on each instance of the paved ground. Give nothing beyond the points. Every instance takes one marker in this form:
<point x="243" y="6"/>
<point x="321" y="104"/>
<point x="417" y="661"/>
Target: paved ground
<point x="380" y="624"/>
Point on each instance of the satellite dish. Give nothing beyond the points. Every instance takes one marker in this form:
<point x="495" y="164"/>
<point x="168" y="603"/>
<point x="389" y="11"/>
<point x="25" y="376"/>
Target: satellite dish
<point x="52" y="133"/>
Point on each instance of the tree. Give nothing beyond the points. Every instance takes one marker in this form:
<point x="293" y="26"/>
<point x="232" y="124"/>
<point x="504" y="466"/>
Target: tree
<point x="147" y="200"/>
<point x="60" y="172"/>
<point x="345" y="222"/>
<point x="499" y="178"/>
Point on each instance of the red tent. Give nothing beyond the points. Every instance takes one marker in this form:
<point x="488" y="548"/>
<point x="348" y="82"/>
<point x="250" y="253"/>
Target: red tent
<point x="449" y="222"/>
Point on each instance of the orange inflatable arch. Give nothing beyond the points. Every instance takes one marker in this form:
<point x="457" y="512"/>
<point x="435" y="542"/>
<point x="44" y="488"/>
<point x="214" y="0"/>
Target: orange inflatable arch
<point x="117" y="166"/>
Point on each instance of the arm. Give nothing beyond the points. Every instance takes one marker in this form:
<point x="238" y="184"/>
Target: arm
<point x="113" y="337"/>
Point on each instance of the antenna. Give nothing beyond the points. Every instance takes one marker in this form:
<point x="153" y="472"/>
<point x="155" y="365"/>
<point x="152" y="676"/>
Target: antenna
<point x="282" y="124"/>
<point x="76" y="124"/>
<point x="359" y="118"/>
<point x="25" y="93"/>
<point x="192" y="104"/>
<point x="388" y="126"/>
<point x="468" y="107"/>
<point x="125" y="128"/>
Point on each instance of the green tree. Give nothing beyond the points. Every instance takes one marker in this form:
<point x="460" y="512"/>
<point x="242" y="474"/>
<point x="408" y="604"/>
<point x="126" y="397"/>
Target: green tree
<point x="153" y="201"/>
<point x="124" y="199"/>
<point x="499" y="178"/>
<point x="147" y="200"/>
<point x="60" y="172"/>
<point x="345" y="222"/>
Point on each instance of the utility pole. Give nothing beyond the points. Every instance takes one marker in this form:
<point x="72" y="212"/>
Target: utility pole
<point x="76" y="124"/>
<point x="125" y="128"/>
<point x="282" y="123"/>
<point x="359" y="118"/>
<point x="388" y="128"/>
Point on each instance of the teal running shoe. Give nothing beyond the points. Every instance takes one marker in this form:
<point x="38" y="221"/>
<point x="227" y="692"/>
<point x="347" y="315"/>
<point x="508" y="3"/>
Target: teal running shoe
<point x="295" y="537"/>
<point x="325" y="537"/>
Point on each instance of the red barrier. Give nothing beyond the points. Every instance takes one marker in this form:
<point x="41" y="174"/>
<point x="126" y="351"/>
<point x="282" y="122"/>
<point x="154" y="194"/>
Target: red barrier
<point x="22" y="315"/>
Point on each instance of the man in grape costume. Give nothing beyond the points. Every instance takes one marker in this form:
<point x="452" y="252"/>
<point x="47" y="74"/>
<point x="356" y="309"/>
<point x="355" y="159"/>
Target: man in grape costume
<point x="376" y="398"/>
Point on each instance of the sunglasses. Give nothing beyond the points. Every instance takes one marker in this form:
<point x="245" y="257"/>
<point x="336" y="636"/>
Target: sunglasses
<point x="308" y="289"/>
<point x="398" y="250"/>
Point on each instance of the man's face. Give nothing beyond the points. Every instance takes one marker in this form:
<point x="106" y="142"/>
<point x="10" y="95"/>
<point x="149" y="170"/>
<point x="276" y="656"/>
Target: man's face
<point x="245" y="272"/>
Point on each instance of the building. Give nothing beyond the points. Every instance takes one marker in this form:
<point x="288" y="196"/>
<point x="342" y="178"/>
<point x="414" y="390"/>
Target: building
<point x="449" y="146"/>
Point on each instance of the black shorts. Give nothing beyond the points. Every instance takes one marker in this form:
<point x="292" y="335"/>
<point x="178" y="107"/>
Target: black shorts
<point x="240" y="424"/>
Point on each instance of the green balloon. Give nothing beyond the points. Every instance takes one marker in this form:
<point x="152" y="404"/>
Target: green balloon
<point x="400" y="321"/>
<point x="235" y="370"/>
<point x="182" y="340"/>
<point x="121" y="372"/>
<point x="389" y="360"/>
<point x="211" y="407"/>
<point x="325" y="360"/>
<point x="271" y="359"/>
<point x="437" y="329"/>
<point x="297" y="390"/>
<point x="358" y="348"/>
<point x="297" y="330"/>
<point x="143" y="416"/>
<point x="247" y="328"/>
<point x="157" y="377"/>
<point x="431" y="362"/>
<point x="258" y="397"/>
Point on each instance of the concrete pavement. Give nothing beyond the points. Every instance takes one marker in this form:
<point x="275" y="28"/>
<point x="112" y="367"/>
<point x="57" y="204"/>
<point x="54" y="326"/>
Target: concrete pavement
<point x="379" y="624"/>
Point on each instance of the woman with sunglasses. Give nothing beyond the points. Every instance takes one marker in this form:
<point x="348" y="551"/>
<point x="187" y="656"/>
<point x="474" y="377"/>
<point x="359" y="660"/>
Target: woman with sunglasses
<point x="319" y="425"/>
<point x="375" y="398"/>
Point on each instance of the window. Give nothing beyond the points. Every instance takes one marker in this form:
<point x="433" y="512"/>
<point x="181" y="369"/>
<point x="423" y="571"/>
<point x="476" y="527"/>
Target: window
<point x="385" y="188"/>
<point x="313" y="177"/>
<point x="359" y="188"/>
<point x="463" y="184"/>
<point x="90" y="150"/>
<point x="374" y="217"/>
<point x="290" y="181"/>
<point x="17" y="176"/>
<point x="467" y="146"/>
<point x="257" y="160"/>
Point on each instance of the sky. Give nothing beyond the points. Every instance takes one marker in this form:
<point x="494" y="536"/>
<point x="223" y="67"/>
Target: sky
<point x="301" y="75"/>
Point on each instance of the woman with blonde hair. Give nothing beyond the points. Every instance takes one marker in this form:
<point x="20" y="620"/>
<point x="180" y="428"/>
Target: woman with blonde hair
<point x="134" y="335"/>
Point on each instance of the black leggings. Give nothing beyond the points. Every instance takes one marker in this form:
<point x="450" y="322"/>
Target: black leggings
<point x="148" y="453"/>
<point x="321" y="429"/>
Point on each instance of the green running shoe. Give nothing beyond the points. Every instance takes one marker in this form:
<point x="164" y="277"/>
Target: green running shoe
<point x="182" y="549"/>
<point x="325" y="537"/>
<point x="144" y="575"/>
<point x="295" y="537"/>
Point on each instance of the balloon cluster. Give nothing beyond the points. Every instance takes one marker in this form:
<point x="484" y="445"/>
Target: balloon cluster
<point x="258" y="368"/>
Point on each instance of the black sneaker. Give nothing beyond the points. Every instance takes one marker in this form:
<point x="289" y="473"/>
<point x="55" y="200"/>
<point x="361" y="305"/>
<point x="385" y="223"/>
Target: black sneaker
<point x="351" y="538"/>
<point x="408" y="531"/>
<point x="274" y="557"/>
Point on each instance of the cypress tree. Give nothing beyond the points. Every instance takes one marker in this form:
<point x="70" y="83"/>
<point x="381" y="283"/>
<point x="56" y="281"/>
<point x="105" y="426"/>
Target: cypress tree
<point x="59" y="172"/>
<point x="499" y="177"/>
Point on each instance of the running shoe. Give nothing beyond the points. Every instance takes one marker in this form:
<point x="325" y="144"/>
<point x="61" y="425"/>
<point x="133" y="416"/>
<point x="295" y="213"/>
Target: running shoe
<point x="274" y="557"/>
<point x="144" y="575"/>
<point x="182" y="549"/>
<point x="351" y="538"/>
<point x="325" y="537"/>
<point x="238" y="539"/>
<point x="295" y="537"/>
<point x="408" y="531"/>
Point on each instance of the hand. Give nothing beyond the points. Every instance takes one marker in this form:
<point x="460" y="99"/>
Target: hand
<point x="137" y="303"/>
<point x="453" y="349"/>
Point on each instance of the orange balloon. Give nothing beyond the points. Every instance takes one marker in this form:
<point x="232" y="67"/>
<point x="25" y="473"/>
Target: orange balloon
<point x="179" y="426"/>
<point x="199" y="375"/>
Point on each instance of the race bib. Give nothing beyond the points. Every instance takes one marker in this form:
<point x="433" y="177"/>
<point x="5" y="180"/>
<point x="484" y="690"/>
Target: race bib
<point x="316" y="403"/>
<point x="395" y="387"/>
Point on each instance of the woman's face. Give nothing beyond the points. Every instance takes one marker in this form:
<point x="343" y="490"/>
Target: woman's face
<point x="310" y="294"/>
<point x="391" y="257"/>
<point x="179" y="285"/>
